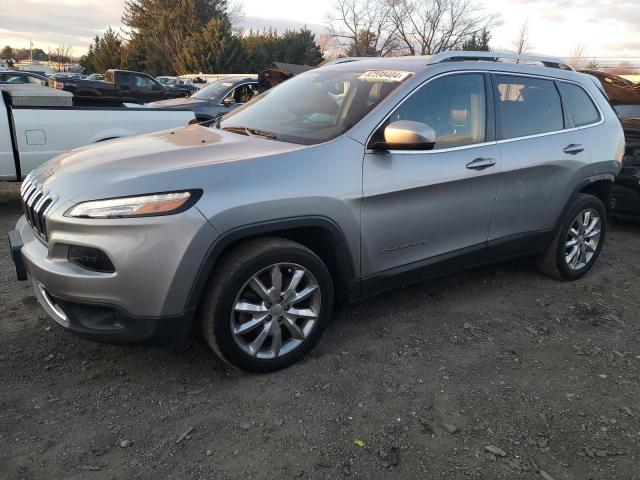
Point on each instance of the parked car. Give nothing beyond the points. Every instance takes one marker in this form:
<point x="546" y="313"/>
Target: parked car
<point x="178" y="84"/>
<point x="216" y="99"/>
<point x="624" y="96"/>
<point x="41" y="123"/>
<point x="96" y="76"/>
<point x="427" y="165"/>
<point x="17" y="77"/>
<point x="120" y="85"/>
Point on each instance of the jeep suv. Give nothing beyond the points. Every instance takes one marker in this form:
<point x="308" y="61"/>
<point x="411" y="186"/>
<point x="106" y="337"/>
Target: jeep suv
<point x="344" y="181"/>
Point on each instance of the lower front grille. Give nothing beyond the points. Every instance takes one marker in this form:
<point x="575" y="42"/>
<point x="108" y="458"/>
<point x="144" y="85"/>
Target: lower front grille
<point x="36" y="203"/>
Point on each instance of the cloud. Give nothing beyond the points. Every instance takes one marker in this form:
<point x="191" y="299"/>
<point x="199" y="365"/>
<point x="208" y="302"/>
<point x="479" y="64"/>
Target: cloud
<point x="49" y="23"/>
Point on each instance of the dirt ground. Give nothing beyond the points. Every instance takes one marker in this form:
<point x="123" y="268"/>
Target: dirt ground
<point x="495" y="373"/>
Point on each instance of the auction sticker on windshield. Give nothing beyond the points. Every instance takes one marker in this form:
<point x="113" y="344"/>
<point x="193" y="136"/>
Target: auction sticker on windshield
<point x="384" y="76"/>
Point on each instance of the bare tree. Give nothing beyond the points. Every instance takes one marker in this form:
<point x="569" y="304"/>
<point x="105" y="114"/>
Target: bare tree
<point x="328" y="46"/>
<point x="427" y="27"/>
<point x="364" y="27"/>
<point x="578" y="56"/>
<point x="61" y="55"/>
<point x="522" y="43"/>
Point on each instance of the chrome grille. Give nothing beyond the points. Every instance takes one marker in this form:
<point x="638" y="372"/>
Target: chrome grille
<point x="36" y="203"/>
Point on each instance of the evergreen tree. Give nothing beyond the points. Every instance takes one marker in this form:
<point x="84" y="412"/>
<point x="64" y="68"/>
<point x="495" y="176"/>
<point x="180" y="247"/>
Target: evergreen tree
<point x="7" y="53"/>
<point x="261" y="49"/>
<point x="106" y="52"/>
<point x="478" y="42"/>
<point x="364" y="45"/>
<point x="160" y="28"/>
<point x="299" y="48"/>
<point x="214" y="49"/>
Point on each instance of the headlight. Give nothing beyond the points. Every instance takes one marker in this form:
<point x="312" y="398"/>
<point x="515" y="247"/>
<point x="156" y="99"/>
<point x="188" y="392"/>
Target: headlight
<point x="139" y="206"/>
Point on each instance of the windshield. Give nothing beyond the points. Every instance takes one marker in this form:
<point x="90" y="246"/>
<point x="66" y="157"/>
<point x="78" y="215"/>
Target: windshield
<point x="214" y="90"/>
<point x="316" y="106"/>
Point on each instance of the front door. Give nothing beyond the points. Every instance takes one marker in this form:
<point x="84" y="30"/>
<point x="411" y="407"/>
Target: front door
<point x="420" y="207"/>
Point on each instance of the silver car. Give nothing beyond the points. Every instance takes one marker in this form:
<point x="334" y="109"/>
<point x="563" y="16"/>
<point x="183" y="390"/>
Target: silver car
<point x="344" y="181"/>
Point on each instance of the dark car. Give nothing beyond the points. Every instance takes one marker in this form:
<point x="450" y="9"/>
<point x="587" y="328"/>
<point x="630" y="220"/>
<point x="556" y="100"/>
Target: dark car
<point x="16" y="76"/>
<point x="118" y="86"/>
<point x="624" y="96"/>
<point x="216" y="99"/>
<point x="626" y="190"/>
<point x="178" y="84"/>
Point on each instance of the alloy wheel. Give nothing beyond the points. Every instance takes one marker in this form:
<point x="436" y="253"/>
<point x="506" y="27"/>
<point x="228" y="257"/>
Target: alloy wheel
<point x="276" y="310"/>
<point x="582" y="239"/>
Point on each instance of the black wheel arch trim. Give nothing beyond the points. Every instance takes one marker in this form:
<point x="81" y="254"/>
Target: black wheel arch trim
<point x="275" y="227"/>
<point x="587" y="181"/>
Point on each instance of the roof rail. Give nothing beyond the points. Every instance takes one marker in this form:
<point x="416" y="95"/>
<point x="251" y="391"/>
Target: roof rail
<point x="337" y="61"/>
<point x="461" y="56"/>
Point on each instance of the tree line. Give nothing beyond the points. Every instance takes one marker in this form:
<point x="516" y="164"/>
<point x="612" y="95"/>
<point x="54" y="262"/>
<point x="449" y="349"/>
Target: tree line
<point x="191" y="36"/>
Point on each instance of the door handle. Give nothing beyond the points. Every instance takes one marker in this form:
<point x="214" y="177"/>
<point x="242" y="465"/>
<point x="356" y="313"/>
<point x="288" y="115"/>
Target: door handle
<point x="573" y="148"/>
<point x="481" y="163"/>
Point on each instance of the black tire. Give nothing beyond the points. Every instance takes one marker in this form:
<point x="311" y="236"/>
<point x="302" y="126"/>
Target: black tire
<point x="553" y="261"/>
<point x="230" y="277"/>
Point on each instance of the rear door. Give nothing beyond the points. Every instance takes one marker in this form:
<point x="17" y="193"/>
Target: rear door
<point x="422" y="206"/>
<point x="541" y="152"/>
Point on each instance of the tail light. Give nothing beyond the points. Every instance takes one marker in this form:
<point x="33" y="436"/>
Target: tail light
<point x="58" y="85"/>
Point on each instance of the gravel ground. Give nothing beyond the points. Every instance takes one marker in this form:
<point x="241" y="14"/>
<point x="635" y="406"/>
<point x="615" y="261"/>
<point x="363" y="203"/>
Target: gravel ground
<point x="493" y="373"/>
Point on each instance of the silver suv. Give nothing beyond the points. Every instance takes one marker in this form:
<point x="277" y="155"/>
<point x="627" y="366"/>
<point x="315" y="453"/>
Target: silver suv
<point x="344" y="181"/>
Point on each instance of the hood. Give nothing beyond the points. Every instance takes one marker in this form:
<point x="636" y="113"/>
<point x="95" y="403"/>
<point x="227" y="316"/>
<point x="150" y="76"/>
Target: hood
<point x="108" y="169"/>
<point x="182" y="102"/>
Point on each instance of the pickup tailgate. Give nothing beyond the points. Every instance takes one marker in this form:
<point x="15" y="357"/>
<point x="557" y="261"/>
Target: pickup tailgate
<point x="43" y="133"/>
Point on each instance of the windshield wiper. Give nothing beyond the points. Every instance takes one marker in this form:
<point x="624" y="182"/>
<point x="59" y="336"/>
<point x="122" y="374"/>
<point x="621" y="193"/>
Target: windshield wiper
<point x="240" y="130"/>
<point x="262" y="133"/>
<point x="251" y="131"/>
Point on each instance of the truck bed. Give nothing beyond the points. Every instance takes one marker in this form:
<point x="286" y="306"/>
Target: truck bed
<point x="32" y="134"/>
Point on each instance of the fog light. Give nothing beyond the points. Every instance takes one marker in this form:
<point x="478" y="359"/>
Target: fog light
<point x="90" y="258"/>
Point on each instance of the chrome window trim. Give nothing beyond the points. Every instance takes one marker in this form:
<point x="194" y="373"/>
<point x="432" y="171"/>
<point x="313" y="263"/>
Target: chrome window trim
<point x="441" y="150"/>
<point x="494" y="142"/>
<point x="232" y="89"/>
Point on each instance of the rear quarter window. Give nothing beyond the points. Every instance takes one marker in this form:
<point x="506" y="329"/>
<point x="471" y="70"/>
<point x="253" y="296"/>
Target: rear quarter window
<point x="528" y="106"/>
<point x="579" y="105"/>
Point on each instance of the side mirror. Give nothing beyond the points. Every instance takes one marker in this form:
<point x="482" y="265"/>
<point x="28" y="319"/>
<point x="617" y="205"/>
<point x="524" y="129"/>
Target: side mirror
<point x="228" y="101"/>
<point x="409" y="135"/>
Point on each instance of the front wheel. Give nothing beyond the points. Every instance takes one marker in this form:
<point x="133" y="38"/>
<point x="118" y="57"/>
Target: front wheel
<point x="578" y="241"/>
<point x="267" y="304"/>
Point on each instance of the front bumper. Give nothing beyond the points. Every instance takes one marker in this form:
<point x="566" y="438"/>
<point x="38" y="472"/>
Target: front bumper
<point x="155" y="258"/>
<point x="108" y="324"/>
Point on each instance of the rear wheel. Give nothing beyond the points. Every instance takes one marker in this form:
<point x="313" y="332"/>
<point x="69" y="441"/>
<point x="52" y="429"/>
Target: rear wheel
<point x="578" y="242"/>
<point x="267" y="304"/>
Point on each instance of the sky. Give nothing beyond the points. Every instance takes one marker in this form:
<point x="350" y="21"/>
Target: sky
<point x="605" y="27"/>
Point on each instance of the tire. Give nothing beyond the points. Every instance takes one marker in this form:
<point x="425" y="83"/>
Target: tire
<point x="235" y="300"/>
<point x="557" y="261"/>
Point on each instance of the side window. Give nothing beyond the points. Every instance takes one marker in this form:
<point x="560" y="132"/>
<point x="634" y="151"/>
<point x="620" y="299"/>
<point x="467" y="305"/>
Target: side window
<point x="244" y="93"/>
<point x="143" y="82"/>
<point x="36" y="80"/>
<point x="580" y="106"/>
<point x="528" y="106"/>
<point x="455" y="106"/>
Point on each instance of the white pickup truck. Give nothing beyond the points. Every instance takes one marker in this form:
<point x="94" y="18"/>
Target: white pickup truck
<point x="38" y="123"/>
